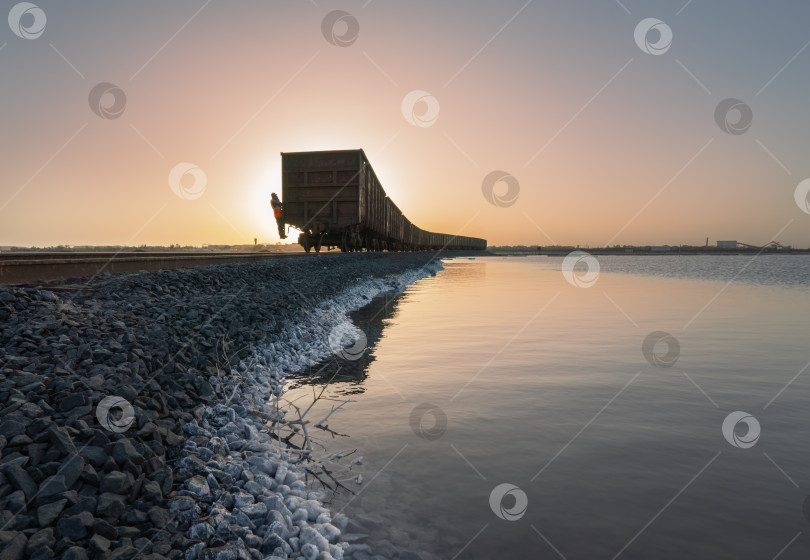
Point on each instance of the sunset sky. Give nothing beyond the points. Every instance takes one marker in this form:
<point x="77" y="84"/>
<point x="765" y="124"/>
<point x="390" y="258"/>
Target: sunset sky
<point x="608" y="143"/>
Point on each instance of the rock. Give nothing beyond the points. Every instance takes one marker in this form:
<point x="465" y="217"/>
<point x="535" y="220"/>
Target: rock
<point x="309" y="551"/>
<point x="310" y="535"/>
<point x="21" y="481"/>
<point x="281" y="473"/>
<point x="313" y="509"/>
<point x="198" y="485"/>
<point x="17" y="502"/>
<point x="116" y="482"/>
<point x="328" y="531"/>
<point x="74" y="553"/>
<point x="194" y="551"/>
<point x="12" y="426"/>
<point x="227" y="552"/>
<point x="110" y="505"/>
<point x="75" y="527"/>
<point x="271" y="542"/>
<point x="72" y="468"/>
<point x="52" y="486"/>
<point x="99" y="544"/>
<point x="123" y="450"/>
<point x="41" y="539"/>
<point x="135" y="517"/>
<point x="47" y="514"/>
<point x="165" y="478"/>
<point x="159" y="516"/>
<point x="43" y="553"/>
<point x="201" y="531"/>
<point x="15" y="549"/>
<point x="82" y="503"/>
<point x="408" y="555"/>
<point x="151" y="491"/>
<point x="105" y="529"/>
<point x="126" y="552"/>
<point x="242" y="499"/>
<point x="71" y="401"/>
<point x="61" y="439"/>
<point x="223" y="531"/>
<point x="95" y="455"/>
<point x="255" y="511"/>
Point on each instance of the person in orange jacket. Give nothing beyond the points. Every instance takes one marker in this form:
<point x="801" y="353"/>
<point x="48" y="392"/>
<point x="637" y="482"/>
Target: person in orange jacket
<point x="279" y="215"/>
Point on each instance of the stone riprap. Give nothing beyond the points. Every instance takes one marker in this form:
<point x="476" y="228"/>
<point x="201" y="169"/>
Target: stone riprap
<point x="136" y="411"/>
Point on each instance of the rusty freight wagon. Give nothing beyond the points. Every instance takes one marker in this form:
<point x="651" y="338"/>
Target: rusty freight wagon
<point x="336" y="200"/>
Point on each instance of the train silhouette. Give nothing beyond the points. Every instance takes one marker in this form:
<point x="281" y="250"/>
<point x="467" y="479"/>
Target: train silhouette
<point x="336" y="200"/>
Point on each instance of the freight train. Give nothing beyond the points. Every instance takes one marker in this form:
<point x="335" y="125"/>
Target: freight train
<point x="336" y="200"/>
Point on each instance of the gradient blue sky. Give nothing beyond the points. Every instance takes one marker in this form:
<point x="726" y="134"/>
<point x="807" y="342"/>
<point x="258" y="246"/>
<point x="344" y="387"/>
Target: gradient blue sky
<point x="609" y="144"/>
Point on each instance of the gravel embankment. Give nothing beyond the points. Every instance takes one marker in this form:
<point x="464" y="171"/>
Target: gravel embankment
<point x="133" y="411"/>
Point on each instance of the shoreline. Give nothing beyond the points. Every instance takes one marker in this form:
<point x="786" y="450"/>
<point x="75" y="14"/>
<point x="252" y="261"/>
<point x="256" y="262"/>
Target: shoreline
<point x="77" y="483"/>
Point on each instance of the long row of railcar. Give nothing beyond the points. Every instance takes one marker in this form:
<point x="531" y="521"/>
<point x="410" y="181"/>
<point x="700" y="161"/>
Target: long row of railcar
<point x="336" y="200"/>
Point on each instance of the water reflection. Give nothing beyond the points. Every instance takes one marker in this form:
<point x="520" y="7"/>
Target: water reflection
<point x="345" y="376"/>
<point x="571" y="406"/>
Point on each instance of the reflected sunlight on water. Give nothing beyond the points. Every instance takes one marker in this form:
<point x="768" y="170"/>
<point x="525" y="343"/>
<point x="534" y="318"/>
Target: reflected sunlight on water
<point x="544" y="386"/>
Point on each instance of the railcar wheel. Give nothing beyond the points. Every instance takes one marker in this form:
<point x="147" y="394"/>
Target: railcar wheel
<point x="306" y="244"/>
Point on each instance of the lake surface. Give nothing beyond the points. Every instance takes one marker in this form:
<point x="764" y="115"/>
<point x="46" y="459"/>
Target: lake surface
<point x="501" y="371"/>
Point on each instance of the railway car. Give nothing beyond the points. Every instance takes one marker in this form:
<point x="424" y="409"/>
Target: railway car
<point x="336" y="200"/>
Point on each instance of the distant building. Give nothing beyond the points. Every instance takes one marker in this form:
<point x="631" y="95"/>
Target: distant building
<point x="726" y="244"/>
<point x="661" y="249"/>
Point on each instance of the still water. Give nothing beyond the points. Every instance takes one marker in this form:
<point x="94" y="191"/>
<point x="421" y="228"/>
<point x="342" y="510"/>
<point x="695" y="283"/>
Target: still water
<point x="500" y="371"/>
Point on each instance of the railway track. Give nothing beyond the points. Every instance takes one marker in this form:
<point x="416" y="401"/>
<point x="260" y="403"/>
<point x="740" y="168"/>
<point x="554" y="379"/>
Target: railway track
<point x="48" y="268"/>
